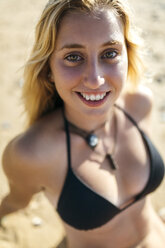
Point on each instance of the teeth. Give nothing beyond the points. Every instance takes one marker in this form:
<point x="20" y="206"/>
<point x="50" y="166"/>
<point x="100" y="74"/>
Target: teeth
<point x="87" y="97"/>
<point x="98" y="97"/>
<point x="93" y="97"/>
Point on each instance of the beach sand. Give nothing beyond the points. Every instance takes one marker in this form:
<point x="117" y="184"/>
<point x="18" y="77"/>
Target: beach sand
<point x="38" y="226"/>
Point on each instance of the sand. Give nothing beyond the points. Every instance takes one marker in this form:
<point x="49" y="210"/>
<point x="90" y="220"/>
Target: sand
<point x="38" y="226"/>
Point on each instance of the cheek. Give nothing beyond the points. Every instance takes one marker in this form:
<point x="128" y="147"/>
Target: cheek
<point x="118" y="74"/>
<point x="124" y="65"/>
<point x="67" y="76"/>
<point x="122" y="69"/>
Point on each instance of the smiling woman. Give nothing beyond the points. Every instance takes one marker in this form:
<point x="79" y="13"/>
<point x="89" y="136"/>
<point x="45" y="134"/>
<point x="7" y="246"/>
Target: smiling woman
<point x="37" y="68"/>
<point x="87" y="145"/>
<point x="97" y="59"/>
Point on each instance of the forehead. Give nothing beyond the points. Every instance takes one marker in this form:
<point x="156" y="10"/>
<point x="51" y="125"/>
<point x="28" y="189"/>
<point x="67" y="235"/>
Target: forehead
<point x="84" y="28"/>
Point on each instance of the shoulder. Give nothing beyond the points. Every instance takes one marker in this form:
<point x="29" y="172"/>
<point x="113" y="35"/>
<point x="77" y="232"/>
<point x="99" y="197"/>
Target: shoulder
<point x="28" y="156"/>
<point x="20" y="171"/>
<point x="139" y="104"/>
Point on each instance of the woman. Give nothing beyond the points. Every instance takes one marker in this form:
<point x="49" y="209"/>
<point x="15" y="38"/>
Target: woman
<point x="85" y="147"/>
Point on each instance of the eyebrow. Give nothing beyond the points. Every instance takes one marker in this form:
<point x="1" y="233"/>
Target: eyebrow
<point x="75" y="45"/>
<point x="111" y="43"/>
<point x="70" y="46"/>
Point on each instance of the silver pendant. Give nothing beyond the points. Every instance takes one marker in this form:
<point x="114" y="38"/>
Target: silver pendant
<point x="92" y="140"/>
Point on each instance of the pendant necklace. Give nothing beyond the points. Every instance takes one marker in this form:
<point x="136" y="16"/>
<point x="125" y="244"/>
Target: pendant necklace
<point x="92" y="139"/>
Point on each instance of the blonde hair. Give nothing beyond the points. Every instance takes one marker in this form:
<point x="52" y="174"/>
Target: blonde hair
<point x="39" y="94"/>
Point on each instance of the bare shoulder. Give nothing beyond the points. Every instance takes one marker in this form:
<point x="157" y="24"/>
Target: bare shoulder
<point x="30" y="156"/>
<point x="139" y="104"/>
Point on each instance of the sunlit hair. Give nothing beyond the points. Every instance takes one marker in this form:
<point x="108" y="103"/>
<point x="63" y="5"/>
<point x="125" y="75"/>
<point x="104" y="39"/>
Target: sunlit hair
<point x="39" y="93"/>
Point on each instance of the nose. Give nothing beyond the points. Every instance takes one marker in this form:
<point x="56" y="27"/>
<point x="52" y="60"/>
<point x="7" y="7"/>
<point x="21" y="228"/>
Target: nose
<point x="94" y="76"/>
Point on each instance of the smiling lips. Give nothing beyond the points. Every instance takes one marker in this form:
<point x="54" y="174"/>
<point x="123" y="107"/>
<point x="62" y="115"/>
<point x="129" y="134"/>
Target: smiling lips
<point x="93" y="99"/>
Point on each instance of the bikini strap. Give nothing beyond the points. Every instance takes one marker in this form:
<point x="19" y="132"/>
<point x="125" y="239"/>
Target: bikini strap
<point x="129" y="117"/>
<point x="66" y="127"/>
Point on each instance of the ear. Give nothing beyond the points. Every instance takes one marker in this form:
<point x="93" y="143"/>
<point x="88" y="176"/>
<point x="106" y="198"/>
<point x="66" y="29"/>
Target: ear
<point x="50" y="77"/>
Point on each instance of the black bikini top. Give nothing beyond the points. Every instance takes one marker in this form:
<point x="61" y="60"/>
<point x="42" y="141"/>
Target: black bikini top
<point x="84" y="209"/>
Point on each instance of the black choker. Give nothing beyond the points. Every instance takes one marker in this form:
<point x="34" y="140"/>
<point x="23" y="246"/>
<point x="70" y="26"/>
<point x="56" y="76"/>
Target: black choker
<point x="92" y="139"/>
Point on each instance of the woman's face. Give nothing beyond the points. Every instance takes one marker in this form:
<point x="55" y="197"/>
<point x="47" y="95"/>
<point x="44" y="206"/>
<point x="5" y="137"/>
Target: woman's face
<point x="89" y="63"/>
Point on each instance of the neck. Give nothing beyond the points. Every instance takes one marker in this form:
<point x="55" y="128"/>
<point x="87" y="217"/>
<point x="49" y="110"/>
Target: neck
<point x="92" y="138"/>
<point x="89" y="122"/>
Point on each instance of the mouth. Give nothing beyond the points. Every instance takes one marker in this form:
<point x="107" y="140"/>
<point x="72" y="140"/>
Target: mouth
<point x="93" y="99"/>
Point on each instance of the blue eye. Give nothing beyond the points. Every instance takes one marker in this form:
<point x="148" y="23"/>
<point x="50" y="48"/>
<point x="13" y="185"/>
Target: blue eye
<point x="109" y="55"/>
<point x="73" y="58"/>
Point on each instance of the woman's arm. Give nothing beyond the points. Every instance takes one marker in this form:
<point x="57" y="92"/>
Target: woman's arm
<point x="21" y="175"/>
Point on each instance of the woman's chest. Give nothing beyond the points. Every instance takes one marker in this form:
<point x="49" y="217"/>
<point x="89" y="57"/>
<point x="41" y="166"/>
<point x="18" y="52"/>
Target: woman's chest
<point x="120" y="185"/>
<point x="92" y="170"/>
